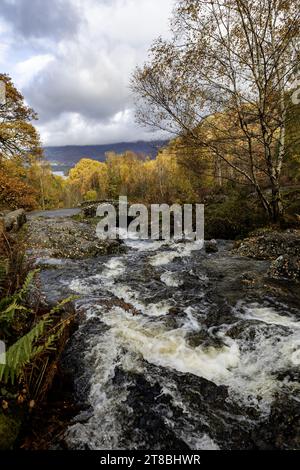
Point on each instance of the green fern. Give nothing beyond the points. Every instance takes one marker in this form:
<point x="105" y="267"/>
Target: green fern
<point x="41" y="338"/>
<point x="21" y="294"/>
<point x="61" y="304"/>
<point x="37" y="341"/>
<point x="8" y="314"/>
<point x="10" y="305"/>
<point x="22" y="352"/>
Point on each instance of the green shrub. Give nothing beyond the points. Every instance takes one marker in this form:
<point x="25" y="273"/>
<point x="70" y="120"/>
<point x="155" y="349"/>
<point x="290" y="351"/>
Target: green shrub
<point x="234" y="216"/>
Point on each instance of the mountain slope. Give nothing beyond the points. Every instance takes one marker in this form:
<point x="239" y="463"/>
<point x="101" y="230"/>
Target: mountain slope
<point x="70" y="155"/>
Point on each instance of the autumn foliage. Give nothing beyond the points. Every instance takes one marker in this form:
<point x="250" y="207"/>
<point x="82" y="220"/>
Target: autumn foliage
<point x="15" y="193"/>
<point x="26" y="180"/>
<point x="136" y="176"/>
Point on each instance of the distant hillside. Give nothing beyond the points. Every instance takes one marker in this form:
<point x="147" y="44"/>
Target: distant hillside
<point x="71" y="154"/>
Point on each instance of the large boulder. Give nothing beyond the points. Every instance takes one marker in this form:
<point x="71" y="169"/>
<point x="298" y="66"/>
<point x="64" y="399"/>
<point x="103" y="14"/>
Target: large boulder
<point x="67" y="238"/>
<point x="281" y="248"/>
<point x="4" y="212"/>
<point x="13" y="221"/>
<point x="270" y="245"/>
<point x="281" y="430"/>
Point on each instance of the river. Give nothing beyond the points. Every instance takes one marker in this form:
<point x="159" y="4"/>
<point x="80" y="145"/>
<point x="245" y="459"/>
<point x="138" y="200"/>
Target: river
<point x="179" y="349"/>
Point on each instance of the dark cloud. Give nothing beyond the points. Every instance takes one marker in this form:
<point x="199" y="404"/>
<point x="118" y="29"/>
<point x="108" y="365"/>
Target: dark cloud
<point x="40" y="18"/>
<point x="92" y="83"/>
<point x="74" y="68"/>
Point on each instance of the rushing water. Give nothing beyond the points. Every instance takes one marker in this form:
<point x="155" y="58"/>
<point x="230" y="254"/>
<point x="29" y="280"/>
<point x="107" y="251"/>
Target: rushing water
<point x="176" y="349"/>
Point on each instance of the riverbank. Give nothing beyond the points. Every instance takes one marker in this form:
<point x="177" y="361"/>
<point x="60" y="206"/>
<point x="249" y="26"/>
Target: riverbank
<point x="34" y="334"/>
<point x="65" y="238"/>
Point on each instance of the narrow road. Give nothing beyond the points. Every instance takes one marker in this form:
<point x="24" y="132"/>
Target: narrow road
<point x="54" y="213"/>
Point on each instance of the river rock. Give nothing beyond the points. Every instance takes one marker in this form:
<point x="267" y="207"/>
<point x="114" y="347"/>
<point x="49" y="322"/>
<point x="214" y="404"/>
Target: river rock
<point x="211" y="246"/>
<point x="281" y="248"/>
<point x="13" y="221"/>
<point x="67" y="238"/>
<point x="269" y="245"/>
<point x="282" y="428"/>
<point x="285" y="267"/>
<point x="3" y="213"/>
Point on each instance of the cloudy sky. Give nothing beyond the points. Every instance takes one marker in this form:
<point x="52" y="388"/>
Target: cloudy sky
<point x="73" y="59"/>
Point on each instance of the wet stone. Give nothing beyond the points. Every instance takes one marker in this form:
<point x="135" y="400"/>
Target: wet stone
<point x="211" y="246"/>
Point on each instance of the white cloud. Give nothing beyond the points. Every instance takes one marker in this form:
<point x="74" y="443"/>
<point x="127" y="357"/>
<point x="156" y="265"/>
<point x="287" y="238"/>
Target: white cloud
<point x="29" y="68"/>
<point x="78" y="80"/>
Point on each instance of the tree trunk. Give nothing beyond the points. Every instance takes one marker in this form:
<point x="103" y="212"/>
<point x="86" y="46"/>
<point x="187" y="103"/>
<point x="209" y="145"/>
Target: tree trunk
<point x="264" y="202"/>
<point x="273" y="208"/>
<point x="218" y="171"/>
<point x="276" y="204"/>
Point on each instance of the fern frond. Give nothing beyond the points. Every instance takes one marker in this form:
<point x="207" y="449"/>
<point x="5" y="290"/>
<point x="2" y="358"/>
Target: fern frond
<point x="37" y="341"/>
<point x="60" y="306"/>
<point x="9" y="313"/>
<point x="26" y="285"/>
<point x="23" y="351"/>
<point x="5" y="302"/>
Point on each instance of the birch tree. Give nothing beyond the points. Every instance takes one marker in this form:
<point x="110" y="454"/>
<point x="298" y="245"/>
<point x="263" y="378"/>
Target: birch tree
<point x="223" y="83"/>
